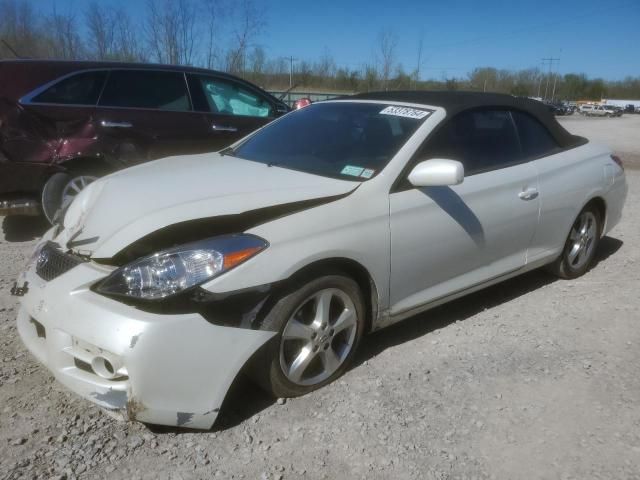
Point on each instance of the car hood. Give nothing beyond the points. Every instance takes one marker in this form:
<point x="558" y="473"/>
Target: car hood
<point x="120" y="209"/>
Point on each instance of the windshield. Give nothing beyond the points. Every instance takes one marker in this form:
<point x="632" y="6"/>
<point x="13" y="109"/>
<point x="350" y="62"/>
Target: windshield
<point x="346" y="140"/>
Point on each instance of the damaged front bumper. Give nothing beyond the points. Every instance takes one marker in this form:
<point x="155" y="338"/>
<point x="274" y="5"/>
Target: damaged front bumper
<point x="162" y="369"/>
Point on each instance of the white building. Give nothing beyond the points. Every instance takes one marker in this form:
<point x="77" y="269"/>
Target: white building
<point x="621" y="103"/>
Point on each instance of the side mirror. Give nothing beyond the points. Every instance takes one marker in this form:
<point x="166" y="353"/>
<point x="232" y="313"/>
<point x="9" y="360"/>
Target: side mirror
<point x="437" y="172"/>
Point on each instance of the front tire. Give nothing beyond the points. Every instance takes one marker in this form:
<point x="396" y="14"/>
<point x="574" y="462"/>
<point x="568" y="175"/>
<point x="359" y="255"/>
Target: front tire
<point x="61" y="189"/>
<point x="319" y="328"/>
<point x="581" y="245"/>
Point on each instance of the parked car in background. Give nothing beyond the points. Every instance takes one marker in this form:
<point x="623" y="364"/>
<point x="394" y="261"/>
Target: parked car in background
<point x="629" y="108"/>
<point x="277" y="254"/>
<point x="556" y="108"/>
<point x="612" y="110"/>
<point x="64" y="124"/>
<point x="586" y="109"/>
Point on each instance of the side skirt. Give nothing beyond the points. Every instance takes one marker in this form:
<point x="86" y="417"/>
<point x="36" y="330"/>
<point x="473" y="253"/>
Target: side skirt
<point x="386" y="319"/>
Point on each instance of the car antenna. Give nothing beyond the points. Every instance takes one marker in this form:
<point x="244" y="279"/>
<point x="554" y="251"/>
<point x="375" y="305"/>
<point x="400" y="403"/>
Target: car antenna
<point x="10" y="48"/>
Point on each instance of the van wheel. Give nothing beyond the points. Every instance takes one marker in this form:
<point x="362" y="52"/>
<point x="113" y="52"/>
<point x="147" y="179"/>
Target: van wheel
<point x="581" y="245"/>
<point x="61" y="189"/>
<point x="319" y="327"/>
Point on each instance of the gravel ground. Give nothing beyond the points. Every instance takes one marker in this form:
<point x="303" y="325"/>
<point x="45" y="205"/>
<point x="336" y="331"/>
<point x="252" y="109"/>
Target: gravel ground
<point x="532" y="378"/>
<point x="620" y="133"/>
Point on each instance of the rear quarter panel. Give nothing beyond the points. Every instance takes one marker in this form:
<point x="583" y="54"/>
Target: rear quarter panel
<point x="567" y="181"/>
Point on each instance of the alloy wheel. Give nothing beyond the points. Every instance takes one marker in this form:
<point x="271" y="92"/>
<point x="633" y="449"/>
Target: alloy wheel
<point x="582" y="240"/>
<point x="318" y="337"/>
<point x="74" y="187"/>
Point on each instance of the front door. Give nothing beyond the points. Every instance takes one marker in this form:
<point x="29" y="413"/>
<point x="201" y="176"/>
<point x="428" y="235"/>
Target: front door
<point x="447" y="239"/>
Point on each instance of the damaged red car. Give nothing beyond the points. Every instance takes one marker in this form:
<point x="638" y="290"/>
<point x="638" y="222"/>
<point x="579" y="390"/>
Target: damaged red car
<point x="64" y="124"/>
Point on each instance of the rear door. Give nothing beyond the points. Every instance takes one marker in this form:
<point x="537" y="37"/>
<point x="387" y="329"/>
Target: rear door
<point x="231" y="109"/>
<point x="147" y="114"/>
<point x="37" y="129"/>
<point x="447" y="239"/>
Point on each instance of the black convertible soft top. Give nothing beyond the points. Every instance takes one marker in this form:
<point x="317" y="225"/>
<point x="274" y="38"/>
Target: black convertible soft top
<point x="456" y="102"/>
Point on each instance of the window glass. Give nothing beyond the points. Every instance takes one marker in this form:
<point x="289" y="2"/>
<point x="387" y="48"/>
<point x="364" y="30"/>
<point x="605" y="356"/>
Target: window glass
<point x="146" y="89"/>
<point x="231" y="99"/>
<point x="81" y="89"/>
<point x="535" y="139"/>
<point x="481" y="139"/>
<point x="348" y="140"/>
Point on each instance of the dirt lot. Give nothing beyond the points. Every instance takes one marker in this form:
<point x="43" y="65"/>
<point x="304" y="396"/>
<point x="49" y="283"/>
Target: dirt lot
<point x="620" y="133"/>
<point x="533" y="378"/>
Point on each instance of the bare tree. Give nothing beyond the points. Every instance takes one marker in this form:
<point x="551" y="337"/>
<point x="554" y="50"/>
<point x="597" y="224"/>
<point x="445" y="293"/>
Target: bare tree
<point x="172" y="30"/>
<point x="63" y="38"/>
<point x="20" y="29"/>
<point x="101" y="27"/>
<point x="387" y="43"/>
<point x="250" y="23"/>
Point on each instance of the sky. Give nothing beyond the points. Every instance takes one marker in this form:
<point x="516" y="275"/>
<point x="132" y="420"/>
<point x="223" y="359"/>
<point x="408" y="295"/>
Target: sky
<point x="599" y="38"/>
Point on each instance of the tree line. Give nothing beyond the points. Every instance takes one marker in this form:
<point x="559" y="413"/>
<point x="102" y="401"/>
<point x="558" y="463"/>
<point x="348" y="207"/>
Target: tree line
<point x="225" y="34"/>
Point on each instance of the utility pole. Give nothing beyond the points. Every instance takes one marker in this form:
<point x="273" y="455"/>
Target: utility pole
<point x="549" y="61"/>
<point x="291" y="60"/>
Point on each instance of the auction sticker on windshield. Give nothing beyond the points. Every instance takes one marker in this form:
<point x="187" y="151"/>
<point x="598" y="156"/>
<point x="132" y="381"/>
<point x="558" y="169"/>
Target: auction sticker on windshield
<point x="406" y="112"/>
<point x="352" y="170"/>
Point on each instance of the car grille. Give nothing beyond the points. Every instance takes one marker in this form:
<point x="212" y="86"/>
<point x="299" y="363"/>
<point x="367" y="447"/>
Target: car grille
<point x="53" y="262"/>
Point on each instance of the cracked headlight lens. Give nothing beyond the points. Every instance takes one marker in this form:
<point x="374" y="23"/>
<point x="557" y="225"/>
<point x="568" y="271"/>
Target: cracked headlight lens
<point x="172" y="271"/>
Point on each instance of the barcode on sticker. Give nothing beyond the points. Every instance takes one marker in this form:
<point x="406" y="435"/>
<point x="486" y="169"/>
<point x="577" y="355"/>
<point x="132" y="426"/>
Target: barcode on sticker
<point x="405" y="112"/>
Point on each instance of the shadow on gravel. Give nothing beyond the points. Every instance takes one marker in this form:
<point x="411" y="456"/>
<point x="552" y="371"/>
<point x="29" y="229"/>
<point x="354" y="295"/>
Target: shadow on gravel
<point x="245" y="399"/>
<point x="467" y="306"/>
<point x="19" y="228"/>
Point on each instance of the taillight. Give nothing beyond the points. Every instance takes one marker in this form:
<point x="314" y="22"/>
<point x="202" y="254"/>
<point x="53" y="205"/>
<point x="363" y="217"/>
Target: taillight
<point x="618" y="160"/>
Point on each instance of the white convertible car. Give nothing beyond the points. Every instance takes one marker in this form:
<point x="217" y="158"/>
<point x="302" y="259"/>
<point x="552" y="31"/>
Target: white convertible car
<point x="276" y="255"/>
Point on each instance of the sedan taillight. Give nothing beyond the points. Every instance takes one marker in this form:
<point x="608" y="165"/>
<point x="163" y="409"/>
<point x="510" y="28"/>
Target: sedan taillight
<point x="618" y="160"/>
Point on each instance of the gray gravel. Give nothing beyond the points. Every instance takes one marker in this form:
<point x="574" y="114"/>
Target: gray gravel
<point x="533" y="378"/>
<point x="620" y="133"/>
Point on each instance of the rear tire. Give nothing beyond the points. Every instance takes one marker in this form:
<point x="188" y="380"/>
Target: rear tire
<point x="319" y="327"/>
<point x="581" y="245"/>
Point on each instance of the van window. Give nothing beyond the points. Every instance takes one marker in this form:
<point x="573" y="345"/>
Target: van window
<point x="146" y="89"/>
<point x="79" y="89"/>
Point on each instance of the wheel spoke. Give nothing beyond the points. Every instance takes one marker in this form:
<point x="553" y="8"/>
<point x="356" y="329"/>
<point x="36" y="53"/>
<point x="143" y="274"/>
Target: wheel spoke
<point x="330" y="360"/>
<point x="345" y="320"/>
<point x="300" y="364"/>
<point x="323" y="306"/>
<point x="575" y="235"/>
<point x="297" y="330"/>
<point x="575" y="251"/>
<point x="75" y="187"/>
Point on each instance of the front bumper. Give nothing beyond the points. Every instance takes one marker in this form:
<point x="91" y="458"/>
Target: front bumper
<point x="171" y="369"/>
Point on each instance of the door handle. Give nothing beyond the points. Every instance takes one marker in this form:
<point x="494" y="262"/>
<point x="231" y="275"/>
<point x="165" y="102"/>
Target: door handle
<point x="528" y="194"/>
<point x="108" y="124"/>
<point x="222" y="128"/>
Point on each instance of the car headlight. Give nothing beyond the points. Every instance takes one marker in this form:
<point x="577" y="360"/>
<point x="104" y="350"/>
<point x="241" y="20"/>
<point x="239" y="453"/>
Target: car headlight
<point x="171" y="271"/>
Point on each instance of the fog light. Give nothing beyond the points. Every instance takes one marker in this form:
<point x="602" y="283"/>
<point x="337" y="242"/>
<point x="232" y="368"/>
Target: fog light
<point x="104" y="368"/>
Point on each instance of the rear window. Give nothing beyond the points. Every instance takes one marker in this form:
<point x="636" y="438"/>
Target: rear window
<point x="535" y="139"/>
<point x="79" y="89"/>
<point x="146" y="89"/>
